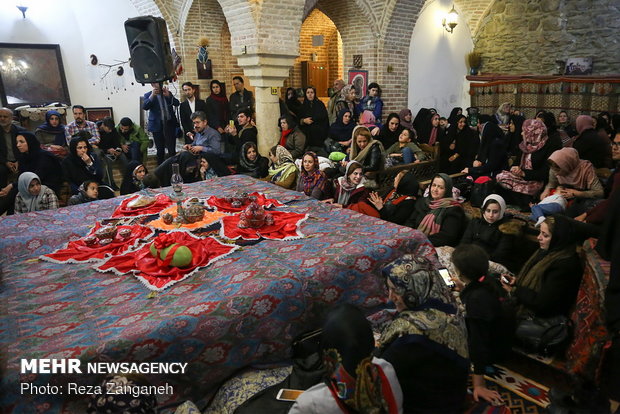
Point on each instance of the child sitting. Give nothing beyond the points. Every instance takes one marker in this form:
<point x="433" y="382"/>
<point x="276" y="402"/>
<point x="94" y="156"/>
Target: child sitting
<point x="88" y="191"/>
<point x="32" y="195"/>
<point x="404" y="151"/>
<point x="134" y="178"/>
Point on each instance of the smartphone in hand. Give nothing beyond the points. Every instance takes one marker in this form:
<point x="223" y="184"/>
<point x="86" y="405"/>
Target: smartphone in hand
<point x="287" y="394"/>
<point x="445" y="275"/>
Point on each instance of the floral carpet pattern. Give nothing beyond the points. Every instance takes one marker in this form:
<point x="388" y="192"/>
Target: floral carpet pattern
<point x="240" y="310"/>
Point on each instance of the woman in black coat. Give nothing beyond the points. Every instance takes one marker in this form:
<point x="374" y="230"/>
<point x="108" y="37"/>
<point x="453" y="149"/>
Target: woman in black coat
<point x="397" y="205"/>
<point x="492" y="232"/>
<point x="314" y="122"/>
<point x="547" y="284"/>
<point x="81" y="164"/>
<point x="32" y="158"/>
<point x="439" y="216"/>
<point x="458" y="148"/>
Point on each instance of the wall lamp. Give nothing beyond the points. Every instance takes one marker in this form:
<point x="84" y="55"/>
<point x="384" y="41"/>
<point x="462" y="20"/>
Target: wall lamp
<point x="450" y="21"/>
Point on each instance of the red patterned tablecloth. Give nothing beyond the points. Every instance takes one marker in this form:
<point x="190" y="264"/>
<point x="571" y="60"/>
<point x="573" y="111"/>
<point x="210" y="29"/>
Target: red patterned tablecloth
<point x="221" y="204"/>
<point x="286" y="226"/>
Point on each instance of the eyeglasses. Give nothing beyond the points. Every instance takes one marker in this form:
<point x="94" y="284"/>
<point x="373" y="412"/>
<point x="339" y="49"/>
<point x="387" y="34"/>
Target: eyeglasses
<point x="615" y="144"/>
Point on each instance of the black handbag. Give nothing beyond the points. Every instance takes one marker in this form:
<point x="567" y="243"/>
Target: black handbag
<point x="307" y="371"/>
<point x="480" y="191"/>
<point x="545" y="336"/>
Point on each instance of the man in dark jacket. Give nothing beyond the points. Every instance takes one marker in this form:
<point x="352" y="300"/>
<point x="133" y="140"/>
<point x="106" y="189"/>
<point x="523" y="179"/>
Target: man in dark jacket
<point x="241" y="98"/>
<point x="190" y="105"/>
<point x="162" y="120"/>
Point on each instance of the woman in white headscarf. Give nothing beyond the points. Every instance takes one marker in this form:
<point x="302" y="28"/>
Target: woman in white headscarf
<point x="32" y="195"/>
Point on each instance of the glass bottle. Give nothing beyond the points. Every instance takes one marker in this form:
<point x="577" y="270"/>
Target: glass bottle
<point x="176" y="180"/>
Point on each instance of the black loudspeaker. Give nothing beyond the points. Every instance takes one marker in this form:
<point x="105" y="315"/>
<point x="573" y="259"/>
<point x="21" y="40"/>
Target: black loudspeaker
<point x="149" y="48"/>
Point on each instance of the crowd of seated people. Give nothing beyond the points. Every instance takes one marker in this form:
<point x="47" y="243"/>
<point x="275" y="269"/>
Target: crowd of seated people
<point x="544" y="164"/>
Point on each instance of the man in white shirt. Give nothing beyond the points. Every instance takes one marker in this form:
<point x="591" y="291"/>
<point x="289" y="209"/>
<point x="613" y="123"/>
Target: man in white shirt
<point x="190" y="105"/>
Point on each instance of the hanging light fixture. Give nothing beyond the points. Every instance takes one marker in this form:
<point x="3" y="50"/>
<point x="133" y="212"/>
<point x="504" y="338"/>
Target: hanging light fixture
<point x="22" y="8"/>
<point x="450" y="21"/>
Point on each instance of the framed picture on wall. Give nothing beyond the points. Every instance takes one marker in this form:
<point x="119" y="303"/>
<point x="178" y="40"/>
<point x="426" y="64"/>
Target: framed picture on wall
<point x="578" y="66"/>
<point x="97" y="114"/>
<point x="359" y="80"/>
<point x="32" y="74"/>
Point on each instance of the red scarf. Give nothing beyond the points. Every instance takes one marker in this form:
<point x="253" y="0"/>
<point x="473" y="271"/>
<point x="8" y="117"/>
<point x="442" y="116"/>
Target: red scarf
<point x="395" y="198"/>
<point x="283" y="137"/>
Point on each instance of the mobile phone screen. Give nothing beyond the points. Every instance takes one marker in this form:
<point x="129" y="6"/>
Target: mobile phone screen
<point x="445" y="275"/>
<point x="286" y="394"/>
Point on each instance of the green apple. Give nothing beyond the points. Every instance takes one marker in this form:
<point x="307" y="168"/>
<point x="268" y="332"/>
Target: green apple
<point x="182" y="256"/>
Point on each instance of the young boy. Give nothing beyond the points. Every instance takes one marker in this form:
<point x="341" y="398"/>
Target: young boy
<point x="87" y="192"/>
<point x="404" y="151"/>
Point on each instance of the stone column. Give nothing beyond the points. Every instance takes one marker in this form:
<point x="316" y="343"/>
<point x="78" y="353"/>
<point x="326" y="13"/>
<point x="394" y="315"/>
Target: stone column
<point x="266" y="71"/>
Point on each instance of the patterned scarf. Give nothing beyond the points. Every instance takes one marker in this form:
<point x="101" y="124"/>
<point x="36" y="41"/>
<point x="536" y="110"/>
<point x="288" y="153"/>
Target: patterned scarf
<point x="431" y="223"/>
<point x="315" y="178"/>
<point x="369" y="392"/>
<point x="431" y="309"/>
<point x="534" y="138"/>
<point x="283" y="167"/>
<point x="346" y="186"/>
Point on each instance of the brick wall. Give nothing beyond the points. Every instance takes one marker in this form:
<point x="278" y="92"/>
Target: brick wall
<point x="318" y="23"/>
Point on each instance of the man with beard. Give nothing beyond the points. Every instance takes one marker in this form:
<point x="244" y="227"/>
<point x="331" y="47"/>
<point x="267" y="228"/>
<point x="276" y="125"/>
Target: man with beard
<point x="206" y="139"/>
<point x="81" y="124"/>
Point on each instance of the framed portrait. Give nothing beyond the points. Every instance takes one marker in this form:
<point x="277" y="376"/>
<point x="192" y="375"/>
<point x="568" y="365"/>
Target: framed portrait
<point x="359" y="80"/>
<point x="205" y="70"/>
<point x="97" y="114"/>
<point x="32" y="74"/>
<point x="578" y="66"/>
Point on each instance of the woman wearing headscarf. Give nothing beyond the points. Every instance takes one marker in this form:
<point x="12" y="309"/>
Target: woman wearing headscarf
<point x="406" y="118"/>
<point x="81" y="164"/>
<point x="514" y="137"/>
<point x="132" y="181"/>
<point x="292" y="103"/>
<point x="32" y="158"/>
<point x="590" y="145"/>
<point x="457" y="148"/>
<point x="341" y="131"/>
<point x="366" y="150"/>
<point x="421" y="124"/>
<point x="454" y="114"/>
<point x="313" y="122"/>
<point x="574" y="179"/>
<point x="493" y="232"/>
<point x="426" y="342"/>
<point x="282" y="171"/>
<point x="291" y="136"/>
<point x="566" y="128"/>
<point x="439" y="216"/>
<point x="312" y="181"/>
<point x="430" y="132"/>
<point x="555" y="138"/>
<point x="355" y="381"/>
<point x="502" y="115"/>
<point x="526" y="180"/>
<point x="350" y="192"/>
<point x="390" y="131"/>
<point x="547" y="284"/>
<point x="218" y="108"/>
<point x="32" y="195"/>
<point x="397" y="205"/>
<point x="346" y="100"/>
<point x="372" y="101"/>
<point x="52" y="132"/>
<point x="251" y="162"/>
